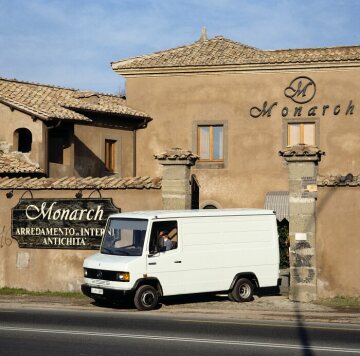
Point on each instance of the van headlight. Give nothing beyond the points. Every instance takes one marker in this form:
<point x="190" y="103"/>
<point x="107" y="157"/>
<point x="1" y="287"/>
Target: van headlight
<point x="85" y="272"/>
<point x="123" y="276"/>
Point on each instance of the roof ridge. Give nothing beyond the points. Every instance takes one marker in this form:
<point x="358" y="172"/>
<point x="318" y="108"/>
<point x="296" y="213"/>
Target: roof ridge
<point x="310" y="48"/>
<point x="221" y="51"/>
<point x="153" y="53"/>
<point x="197" y="42"/>
<point x="237" y="42"/>
<point x="53" y="102"/>
<point x="36" y="83"/>
<point x="57" y="87"/>
<point x="75" y="183"/>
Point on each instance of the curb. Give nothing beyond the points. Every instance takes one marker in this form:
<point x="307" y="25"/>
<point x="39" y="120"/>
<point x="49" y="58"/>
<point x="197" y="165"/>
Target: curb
<point x="277" y="308"/>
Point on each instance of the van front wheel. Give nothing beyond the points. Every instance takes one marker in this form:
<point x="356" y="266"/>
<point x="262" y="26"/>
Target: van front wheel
<point x="146" y="298"/>
<point x="243" y="290"/>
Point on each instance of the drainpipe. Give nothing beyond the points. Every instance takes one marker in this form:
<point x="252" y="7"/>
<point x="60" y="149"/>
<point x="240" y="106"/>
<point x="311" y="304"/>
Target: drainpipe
<point x="143" y="125"/>
<point x="134" y="153"/>
<point x="56" y="125"/>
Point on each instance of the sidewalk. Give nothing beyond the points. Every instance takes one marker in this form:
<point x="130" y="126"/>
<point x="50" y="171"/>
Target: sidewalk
<point x="262" y="308"/>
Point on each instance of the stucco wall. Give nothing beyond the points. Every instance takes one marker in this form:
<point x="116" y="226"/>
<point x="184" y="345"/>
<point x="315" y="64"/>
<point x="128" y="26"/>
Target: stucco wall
<point x="90" y="146"/>
<point x="253" y="167"/>
<point x="56" y="269"/>
<point x="337" y="241"/>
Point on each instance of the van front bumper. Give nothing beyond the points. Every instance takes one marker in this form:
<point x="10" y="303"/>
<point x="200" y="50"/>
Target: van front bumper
<point x="109" y="294"/>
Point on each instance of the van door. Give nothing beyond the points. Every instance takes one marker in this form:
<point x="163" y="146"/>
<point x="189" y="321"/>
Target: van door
<point x="164" y="258"/>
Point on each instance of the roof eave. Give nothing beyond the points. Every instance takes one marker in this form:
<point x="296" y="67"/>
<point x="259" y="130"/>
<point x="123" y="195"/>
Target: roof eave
<point x="19" y="107"/>
<point x="141" y="117"/>
<point x="140" y="71"/>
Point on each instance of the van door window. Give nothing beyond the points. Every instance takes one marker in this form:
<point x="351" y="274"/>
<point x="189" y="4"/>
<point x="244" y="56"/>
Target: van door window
<point x="164" y="236"/>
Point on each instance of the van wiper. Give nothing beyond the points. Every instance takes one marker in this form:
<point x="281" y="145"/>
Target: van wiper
<point x="107" y="250"/>
<point x="124" y="253"/>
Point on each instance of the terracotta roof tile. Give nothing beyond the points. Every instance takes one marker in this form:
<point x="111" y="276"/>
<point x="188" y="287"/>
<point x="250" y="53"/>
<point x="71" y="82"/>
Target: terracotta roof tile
<point x="348" y="180"/>
<point x="220" y="51"/>
<point x="16" y="162"/>
<point x="50" y="102"/>
<point x="301" y="151"/>
<point x="74" y="183"/>
<point x="176" y="154"/>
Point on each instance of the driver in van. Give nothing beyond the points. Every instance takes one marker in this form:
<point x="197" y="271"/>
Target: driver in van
<point x="163" y="234"/>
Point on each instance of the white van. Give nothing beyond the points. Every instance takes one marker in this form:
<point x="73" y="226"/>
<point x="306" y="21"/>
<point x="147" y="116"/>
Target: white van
<point x="223" y="250"/>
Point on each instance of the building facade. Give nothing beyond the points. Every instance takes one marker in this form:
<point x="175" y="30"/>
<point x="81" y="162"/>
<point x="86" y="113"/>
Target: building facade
<point x="236" y="106"/>
<point x="69" y="132"/>
<point x="231" y="110"/>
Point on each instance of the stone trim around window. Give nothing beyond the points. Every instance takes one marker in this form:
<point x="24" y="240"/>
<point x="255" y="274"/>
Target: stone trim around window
<point x="307" y="120"/>
<point x="210" y="165"/>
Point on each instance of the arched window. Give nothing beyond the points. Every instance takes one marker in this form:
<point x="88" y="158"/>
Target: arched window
<point x="22" y="140"/>
<point x="209" y="206"/>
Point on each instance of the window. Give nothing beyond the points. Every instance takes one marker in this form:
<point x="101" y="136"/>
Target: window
<point x="301" y="133"/>
<point x="110" y="155"/>
<point x="164" y="236"/>
<point x="209" y="206"/>
<point x="210" y="143"/>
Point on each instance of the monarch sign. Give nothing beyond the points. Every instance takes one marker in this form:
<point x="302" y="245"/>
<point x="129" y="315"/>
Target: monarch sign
<point x="301" y="90"/>
<point x="61" y="223"/>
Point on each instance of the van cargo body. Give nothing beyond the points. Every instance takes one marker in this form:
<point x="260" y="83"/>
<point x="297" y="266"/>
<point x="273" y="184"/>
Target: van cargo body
<point x="232" y="250"/>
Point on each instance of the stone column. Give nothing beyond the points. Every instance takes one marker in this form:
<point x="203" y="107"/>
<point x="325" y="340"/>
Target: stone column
<point x="302" y="163"/>
<point x="176" y="189"/>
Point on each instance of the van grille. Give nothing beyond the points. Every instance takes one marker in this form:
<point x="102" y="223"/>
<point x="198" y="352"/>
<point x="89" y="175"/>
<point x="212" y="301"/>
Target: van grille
<point x="101" y="274"/>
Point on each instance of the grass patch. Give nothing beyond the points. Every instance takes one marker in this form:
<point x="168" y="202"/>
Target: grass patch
<point x="341" y="302"/>
<point x="24" y="292"/>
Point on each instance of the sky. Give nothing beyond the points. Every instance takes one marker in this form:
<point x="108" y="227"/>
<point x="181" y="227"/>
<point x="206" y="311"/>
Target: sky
<point x="71" y="43"/>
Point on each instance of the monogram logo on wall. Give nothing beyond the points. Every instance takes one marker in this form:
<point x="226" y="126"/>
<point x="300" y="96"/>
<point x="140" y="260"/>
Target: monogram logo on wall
<point x="301" y="90"/>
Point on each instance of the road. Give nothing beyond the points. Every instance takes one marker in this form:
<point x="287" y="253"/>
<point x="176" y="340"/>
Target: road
<point x="64" y="332"/>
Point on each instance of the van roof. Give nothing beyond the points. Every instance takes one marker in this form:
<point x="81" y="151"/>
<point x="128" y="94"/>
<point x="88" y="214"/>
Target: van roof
<point x="166" y="214"/>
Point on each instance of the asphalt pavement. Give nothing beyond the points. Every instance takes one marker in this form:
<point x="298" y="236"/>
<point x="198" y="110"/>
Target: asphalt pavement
<point x="265" y="307"/>
<point x="58" y="331"/>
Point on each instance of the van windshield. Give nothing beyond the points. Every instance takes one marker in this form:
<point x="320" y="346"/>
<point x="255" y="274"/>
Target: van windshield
<point x="124" y="237"/>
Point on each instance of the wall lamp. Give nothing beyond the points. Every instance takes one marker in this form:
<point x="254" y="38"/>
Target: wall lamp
<point x="95" y="190"/>
<point x="10" y="194"/>
<point x="27" y="191"/>
<point x="79" y="194"/>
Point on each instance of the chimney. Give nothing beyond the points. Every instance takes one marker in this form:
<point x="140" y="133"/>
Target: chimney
<point x="204" y="36"/>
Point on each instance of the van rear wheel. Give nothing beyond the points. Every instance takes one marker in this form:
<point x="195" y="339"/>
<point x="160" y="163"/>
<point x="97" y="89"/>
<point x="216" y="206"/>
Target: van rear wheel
<point x="146" y="298"/>
<point x="243" y="290"/>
